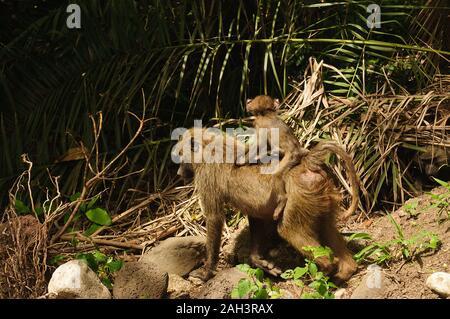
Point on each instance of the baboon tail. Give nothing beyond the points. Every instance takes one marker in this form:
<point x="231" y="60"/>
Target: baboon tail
<point x="320" y="150"/>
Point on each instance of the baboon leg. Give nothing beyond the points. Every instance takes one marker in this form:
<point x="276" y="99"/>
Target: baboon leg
<point x="214" y="226"/>
<point x="260" y="230"/>
<point x="281" y="196"/>
<point x="333" y="239"/>
<point x="301" y="235"/>
<point x="280" y="207"/>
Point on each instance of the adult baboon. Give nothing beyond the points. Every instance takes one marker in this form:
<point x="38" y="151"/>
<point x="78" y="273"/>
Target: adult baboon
<point x="308" y="219"/>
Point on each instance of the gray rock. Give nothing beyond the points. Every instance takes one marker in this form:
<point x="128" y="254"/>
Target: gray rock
<point x="75" y="279"/>
<point x="340" y="294"/>
<point x="439" y="282"/>
<point x="140" y="280"/>
<point x="221" y="285"/>
<point x="373" y="284"/>
<point x="178" y="255"/>
<point x="178" y="288"/>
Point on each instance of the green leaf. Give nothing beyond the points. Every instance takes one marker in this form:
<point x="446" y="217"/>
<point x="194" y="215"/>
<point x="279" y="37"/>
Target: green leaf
<point x="99" y="216"/>
<point x="39" y="210"/>
<point x="261" y="294"/>
<point x="319" y="251"/>
<point x="259" y="274"/>
<point x="92" y="229"/>
<point x="114" y="265"/>
<point x="89" y="259"/>
<point x="244" y="268"/>
<point x="434" y="241"/>
<point x="92" y="202"/>
<point x="21" y="208"/>
<point x="107" y="283"/>
<point x="356" y="236"/>
<point x="288" y="274"/>
<point x="100" y="257"/>
<point x="56" y="259"/>
<point x="74" y="219"/>
<point x="442" y="183"/>
<point x="313" y="269"/>
<point x="74" y="197"/>
<point x="243" y="289"/>
<point x="299" y="272"/>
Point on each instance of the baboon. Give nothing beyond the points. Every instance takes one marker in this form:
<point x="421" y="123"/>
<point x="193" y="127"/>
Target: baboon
<point x="308" y="219"/>
<point x="265" y="108"/>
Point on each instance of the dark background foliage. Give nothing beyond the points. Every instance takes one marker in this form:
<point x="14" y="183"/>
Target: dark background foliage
<point x="184" y="60"/>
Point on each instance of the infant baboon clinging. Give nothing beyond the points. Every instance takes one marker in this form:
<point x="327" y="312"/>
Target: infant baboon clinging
<point x="308" y="219"/>
<point x="265" y="108"/>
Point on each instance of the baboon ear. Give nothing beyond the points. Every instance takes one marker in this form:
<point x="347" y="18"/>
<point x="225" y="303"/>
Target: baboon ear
<point x="276" y="104"/>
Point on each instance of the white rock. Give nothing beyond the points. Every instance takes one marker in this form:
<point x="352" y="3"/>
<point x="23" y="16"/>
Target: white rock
<point x="372" y="285"/>
<point x="340" y="293"/>
<point x="178" y="287"/>
<point x="75" y="279"/>
<point x="439" y="282"/>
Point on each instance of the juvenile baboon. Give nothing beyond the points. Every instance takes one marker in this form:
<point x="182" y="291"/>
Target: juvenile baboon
<point x="308" y="219"/>
<point x="265" y="108"/>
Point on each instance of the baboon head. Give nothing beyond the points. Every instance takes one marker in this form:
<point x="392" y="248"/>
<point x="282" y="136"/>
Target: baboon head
<point x="190" y="150"/>
<point x="262" y="104"/>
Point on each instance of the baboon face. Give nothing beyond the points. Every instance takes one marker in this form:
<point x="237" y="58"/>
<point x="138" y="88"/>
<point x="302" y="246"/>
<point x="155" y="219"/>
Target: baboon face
<point x="188" y="146"/>
<point x="262" y="104"/>
<point x="186" y="171"/>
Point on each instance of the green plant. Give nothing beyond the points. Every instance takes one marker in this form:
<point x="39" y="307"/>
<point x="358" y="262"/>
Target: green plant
<point x="102" y="264"/>
<point x="400" y="247"/>
<point x="441" y="201"/>
<point x="96" y="215"/>
<point x="411" y="208"/>
<point x="310" y="274"/>
<point x="254" y="287"/>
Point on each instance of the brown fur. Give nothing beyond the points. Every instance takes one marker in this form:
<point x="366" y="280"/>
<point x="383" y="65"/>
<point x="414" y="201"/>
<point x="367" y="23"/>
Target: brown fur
<point x="308" y="219"/>
<point x="265" y="109"/>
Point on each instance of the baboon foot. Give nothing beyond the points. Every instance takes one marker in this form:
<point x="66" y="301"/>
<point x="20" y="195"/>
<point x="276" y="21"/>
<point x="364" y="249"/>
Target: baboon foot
<point x="326" y="266"/>
<point x="202" y="273"/>
<point x="345" y="270"/>
<point x="267" y="266"/>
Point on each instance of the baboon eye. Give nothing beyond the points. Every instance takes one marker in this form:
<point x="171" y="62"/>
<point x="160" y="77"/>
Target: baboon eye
<point x="248" y="101"/>
<point x="194" y="145"/>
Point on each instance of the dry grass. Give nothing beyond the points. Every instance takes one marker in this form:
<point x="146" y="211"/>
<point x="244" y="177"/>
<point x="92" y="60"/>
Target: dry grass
<point x="375" y="129"/>
<point x="378" y="130"/>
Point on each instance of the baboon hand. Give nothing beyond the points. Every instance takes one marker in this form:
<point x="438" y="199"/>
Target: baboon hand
<point x="265" y="265"/>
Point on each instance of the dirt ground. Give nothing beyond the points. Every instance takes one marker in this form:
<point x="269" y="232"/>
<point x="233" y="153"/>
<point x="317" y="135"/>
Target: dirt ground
<point x="408" y="277"/>
<point x="405" y="278"/>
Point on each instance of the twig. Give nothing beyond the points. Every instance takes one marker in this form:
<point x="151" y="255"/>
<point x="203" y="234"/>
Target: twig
<point x="127" y="212"/>
<point x="114" y="243"/>
<point x="30" y="166"/>
<point x="101" y="174"/>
